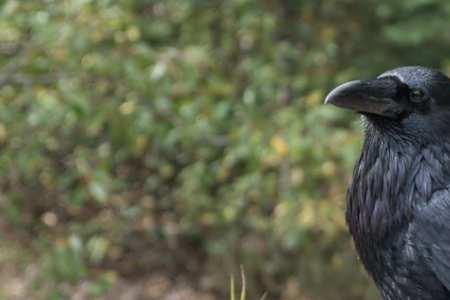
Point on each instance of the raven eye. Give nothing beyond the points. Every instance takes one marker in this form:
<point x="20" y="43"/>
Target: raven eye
<point x="417" y="96"/>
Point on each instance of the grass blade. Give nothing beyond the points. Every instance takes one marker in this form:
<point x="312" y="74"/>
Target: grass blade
<point x="232" y="295"/>
<point x="243" y="283"/>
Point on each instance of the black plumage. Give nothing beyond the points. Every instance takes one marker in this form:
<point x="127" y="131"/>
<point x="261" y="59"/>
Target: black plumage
<point x="398" y="209"/>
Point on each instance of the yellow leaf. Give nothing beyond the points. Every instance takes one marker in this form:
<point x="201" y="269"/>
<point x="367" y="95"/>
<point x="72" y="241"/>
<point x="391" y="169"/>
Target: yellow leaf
<point x="314" y="99"/>
<point x="127" y="108"/>
<point x="279" y="145"/>
<point x="328" y="168"/>
<point x="133" y="34"/>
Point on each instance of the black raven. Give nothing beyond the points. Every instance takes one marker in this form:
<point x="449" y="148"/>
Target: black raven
<point x="398" y="209"/>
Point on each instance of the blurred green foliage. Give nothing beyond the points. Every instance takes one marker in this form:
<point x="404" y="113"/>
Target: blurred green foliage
<point x="189" y="137"/>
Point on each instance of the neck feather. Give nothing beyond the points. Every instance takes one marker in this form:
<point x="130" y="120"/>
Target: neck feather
<point x="392" y="177"/>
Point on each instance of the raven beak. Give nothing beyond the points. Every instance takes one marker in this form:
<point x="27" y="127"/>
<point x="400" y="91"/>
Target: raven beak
<point x="368" y="96"/>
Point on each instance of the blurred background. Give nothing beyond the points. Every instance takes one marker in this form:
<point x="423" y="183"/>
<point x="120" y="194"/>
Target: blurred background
<point x="150" y="148"/>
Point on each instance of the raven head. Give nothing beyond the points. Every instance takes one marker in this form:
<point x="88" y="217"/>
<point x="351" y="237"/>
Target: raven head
<point x="413" y="100"/>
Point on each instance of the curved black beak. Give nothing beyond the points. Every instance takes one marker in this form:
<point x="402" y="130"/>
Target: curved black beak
<point x="378" y="96"/>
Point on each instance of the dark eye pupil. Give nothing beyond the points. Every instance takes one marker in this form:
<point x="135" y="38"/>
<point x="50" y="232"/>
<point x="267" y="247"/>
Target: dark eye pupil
<point x="417" y="96"/>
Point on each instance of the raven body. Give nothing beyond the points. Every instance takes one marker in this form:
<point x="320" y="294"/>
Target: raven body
<point x="398" y="209"/>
